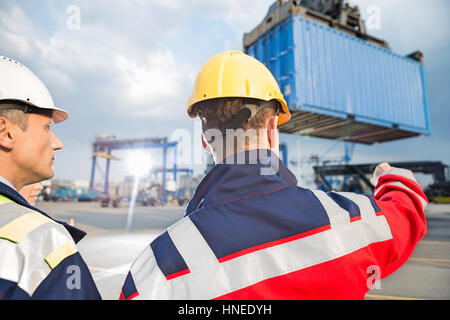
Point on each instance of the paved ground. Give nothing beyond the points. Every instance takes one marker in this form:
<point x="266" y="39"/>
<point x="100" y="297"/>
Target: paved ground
<point x="426" y="275"/>
<point x="109" y="250"/>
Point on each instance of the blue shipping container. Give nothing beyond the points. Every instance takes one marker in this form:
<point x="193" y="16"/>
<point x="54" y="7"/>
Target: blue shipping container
<point x="342" y="87"/>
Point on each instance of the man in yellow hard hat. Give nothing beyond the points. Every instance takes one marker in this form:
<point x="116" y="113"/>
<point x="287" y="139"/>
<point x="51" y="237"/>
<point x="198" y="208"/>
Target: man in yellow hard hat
<point x="39" y="258"/>
<point x="252" y="233"/>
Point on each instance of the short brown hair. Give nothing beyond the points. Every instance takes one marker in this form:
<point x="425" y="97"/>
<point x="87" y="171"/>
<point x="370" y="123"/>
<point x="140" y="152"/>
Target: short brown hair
<point x="16" y="116"/>
<point x="216" y="114"/>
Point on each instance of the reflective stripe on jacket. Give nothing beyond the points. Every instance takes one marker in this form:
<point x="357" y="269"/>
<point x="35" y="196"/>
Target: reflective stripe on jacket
<point x="39" y="257"/>
<point x="248" y="235"/>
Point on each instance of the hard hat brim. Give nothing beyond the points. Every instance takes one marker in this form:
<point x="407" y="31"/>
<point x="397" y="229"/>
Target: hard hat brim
<point x="58" y="114"/>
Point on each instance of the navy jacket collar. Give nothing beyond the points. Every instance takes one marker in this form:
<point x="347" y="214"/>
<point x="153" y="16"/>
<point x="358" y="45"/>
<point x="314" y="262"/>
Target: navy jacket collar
<point x="13" y="195"/>
<point x="262" y="172"/>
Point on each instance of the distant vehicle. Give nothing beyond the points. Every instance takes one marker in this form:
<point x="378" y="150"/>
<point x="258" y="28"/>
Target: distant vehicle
<point x="87" y="195"/>
<point x="181" y="195"/>
<point x="116" y="201"/>
<point x="358" y="177"/>
<point x="104" y="200"/>
<point x="151" y="196"/>
<point x="58" y="193"/>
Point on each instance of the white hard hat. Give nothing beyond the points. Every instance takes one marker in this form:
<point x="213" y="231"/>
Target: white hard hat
<point x="18" y="83"/>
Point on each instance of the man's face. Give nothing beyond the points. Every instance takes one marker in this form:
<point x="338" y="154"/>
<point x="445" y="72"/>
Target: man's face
<point x="34" y="150"/>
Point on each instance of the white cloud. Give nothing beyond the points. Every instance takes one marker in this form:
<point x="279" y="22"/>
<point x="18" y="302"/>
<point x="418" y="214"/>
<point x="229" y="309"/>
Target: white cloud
<point x="15" y="29"/>
<point x="148" y="84"/>
<point x="240" y="15"/>
<point x="237" y="14"/>
<point x="410" y="24"/>
<point x="19" y="42"/>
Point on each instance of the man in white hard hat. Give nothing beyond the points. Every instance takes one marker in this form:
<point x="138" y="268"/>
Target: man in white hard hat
<point x="39" y="258"/>
<point x="252" y="233"/>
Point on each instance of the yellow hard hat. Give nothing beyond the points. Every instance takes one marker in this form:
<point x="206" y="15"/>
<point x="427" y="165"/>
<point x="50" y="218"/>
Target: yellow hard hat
<point x="235" y="74"/>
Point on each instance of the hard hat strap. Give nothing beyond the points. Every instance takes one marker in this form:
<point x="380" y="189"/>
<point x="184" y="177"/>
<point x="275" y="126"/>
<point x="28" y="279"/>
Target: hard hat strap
<point x="11" y="105"/>
<point x="247" y="113"/>
<point x="237" y="121"/>
<point x="25" y="107"/>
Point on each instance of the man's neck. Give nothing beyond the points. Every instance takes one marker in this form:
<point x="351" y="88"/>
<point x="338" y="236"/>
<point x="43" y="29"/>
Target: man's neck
<point x="229" y="158"/>
<point x="13" y="175"/>
<point x="7" y="182"/>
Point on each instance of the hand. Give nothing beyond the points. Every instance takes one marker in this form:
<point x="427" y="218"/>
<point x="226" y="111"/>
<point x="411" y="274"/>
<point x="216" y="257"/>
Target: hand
<point x="379" y="170"/>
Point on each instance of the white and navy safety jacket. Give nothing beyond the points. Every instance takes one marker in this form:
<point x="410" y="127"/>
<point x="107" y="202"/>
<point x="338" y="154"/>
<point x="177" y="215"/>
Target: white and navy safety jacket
<point x="248" y="235"/>
<point x="39" y="258"/>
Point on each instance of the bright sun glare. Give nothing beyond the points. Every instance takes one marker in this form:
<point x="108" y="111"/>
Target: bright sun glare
<point x="139" y="163"/>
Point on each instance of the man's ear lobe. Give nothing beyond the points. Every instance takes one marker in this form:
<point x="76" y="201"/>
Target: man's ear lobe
<point x="6" y="139"/>
<point x="274" y="122"/>
<point x="271" y="125"/>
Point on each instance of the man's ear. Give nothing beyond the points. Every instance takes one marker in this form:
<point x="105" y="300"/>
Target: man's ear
<point x="272" y="127"/>
<point x="205" y="145"/>
<point x="6" y="138"/>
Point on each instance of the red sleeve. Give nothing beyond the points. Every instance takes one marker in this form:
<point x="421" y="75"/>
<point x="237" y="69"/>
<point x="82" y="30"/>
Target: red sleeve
<point x="402" y="201"/>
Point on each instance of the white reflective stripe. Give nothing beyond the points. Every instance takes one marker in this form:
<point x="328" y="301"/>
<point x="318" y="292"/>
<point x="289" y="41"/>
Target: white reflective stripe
<point x="34" y="238"/>
<point x="11" y="211"/>
<point x="405" y="188"/>
<point x="24" y="262"/>
<point x="12" y="208"/>
<point x="305" y="252"/>
<point x="397" y="171"/>
<point x="195" y="252"/>
<point x="218" y="279"/>
<point x="364" y="204"/>
<point x="11" y="261"/>
<point x="35" y="247"/>
<point x="149" y="280"/>
<point x="336" y="214"/>
<point x="22" y="225"/>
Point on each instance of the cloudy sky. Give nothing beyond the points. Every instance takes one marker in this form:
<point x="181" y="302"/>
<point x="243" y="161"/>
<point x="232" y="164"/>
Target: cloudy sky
<point x="126" y="68"/>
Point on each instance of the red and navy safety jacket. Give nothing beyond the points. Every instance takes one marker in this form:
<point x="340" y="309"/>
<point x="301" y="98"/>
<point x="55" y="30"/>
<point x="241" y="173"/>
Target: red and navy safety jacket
<point x="39" y="258"/>
<point x="248" y="235"/>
